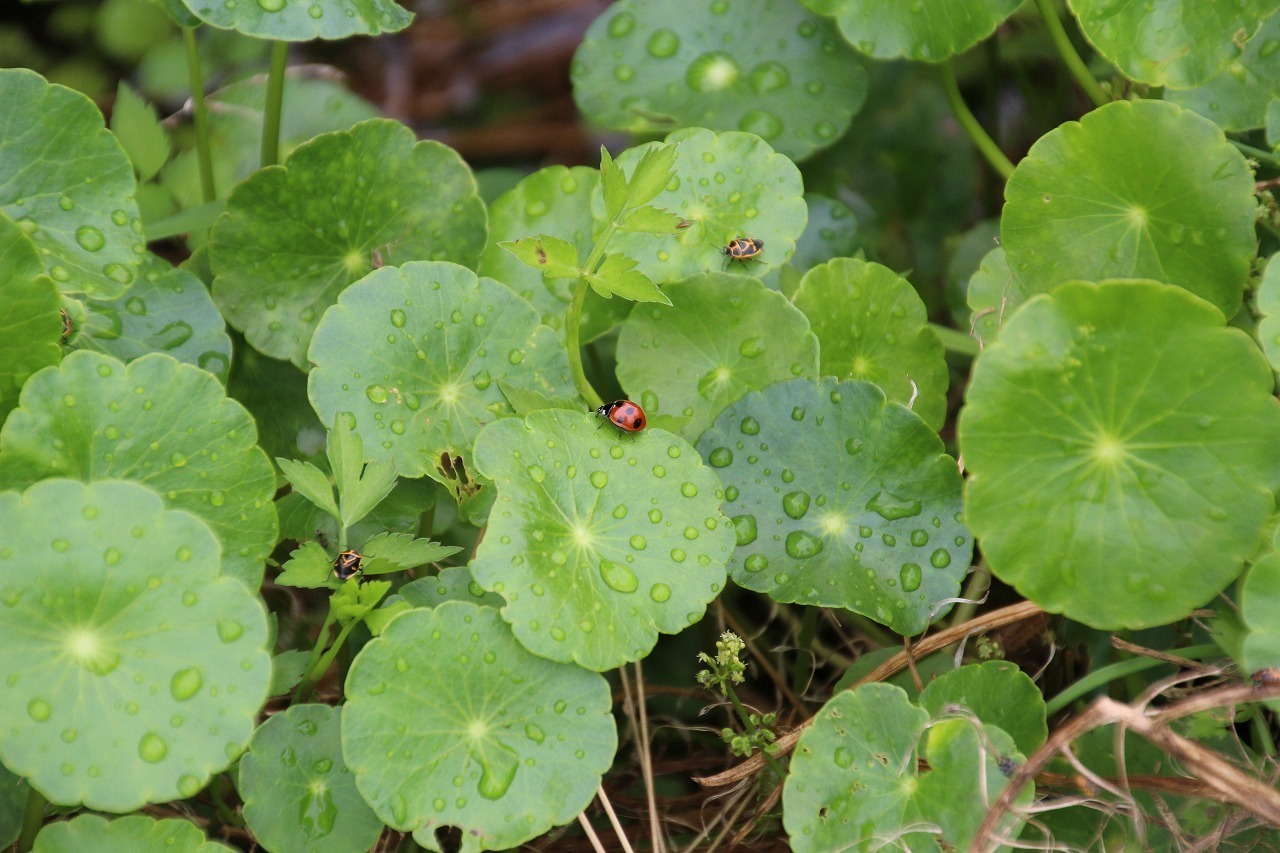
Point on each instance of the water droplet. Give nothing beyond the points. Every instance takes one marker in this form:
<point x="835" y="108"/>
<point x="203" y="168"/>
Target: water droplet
<point x="90" y="238"/>
<point x="745" y="529"/>
<point x="660" y="592"/>
<point x="801" y="545"/>
<point x="177" y="460"/>
<point x="536" y="473"/>
<point x="118" y="273"/>
<point x="599" y="479"/>
<point x="796" y="504"/>
<point x="919" y="538"/>
<point x="910" y="576"/>
<point x="638" y="542"/>
<point x="397" y="427"/>
<point x="533" y="733"/>
<point x="663" y="43"/>
<point x="843" y="757"/>
<point x="152" y="748"/>
<point x="756" y="563"/>
<point x="618" y="578"/>
<point x="621" y="24"/>
<point x="769" y="77"/>
<point x="376" y="394"/>
<point x="229" y="630"/>
<point x="891" y="507"/>
<point x="39" y="710"/>
<point x="940" y="559"/>
<point x="721" y="457"/>
<point x="185" y="683"/>
<point x="712" y="72"/>
<point x="397" y="318"/>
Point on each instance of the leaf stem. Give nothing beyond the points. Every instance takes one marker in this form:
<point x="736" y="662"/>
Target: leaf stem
<point x="984" y="143"/>
<point x="303" y="691"/>
<point x="953" y="340"/>
<point x="1067" y="51"/>
<point x="32" y="819"/>
<point x="203" y="150"/>
<point x="325" y="662"/>
<point x="752" y="729"/>
<point x="1112" y="672"/>
<point x="573" y="320"/>
<point x="275" y="103"/>
<point x="804" y="640"/>
<point x="1268" y="157"/>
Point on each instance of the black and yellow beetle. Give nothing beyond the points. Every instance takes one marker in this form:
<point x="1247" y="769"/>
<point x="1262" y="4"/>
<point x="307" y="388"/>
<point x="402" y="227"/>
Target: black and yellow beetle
<point x="742" y="249"/>
<point x="348" y="564"/>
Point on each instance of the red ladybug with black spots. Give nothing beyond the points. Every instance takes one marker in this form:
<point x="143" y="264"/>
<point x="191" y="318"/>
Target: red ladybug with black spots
<point x="625" y="415"/>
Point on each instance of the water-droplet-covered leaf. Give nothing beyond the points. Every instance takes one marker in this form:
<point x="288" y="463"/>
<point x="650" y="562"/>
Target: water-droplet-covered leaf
<point x="69" y="185"/>
<point x="724" y="336"/>
<point x="1124" y="429"/>
<point x="769" y="67"/>
<point x="166" y="310"/>
<point x="1238" y="97"/>
<point x="292" y="21"/>
<point x="133" y="668"/>
<point x="1260" y="609"/>
<point x="998" y="693"/>
<point x="416" y="352"/>
<point x="832" y="232"/>
<point x="598" y="542"/>
<point x="727" y="186"/>
<point x="135" y="834"/>
<point x="293" y="238"/>
<point x="554" y="201"/>
<point x="452" y="584"/>
<point x="164" y="424"/>
<point x="30" y="326"/>
<point x="874" y="766"/>
<point x="872" y="325"/>
<point x="1174" y="43"/>
<point x="449" y="722"/>
<point x="840" y="498"/>
<point x="1268" y="305"/>
<point x="993" y="295"/>
<point x="298" y="793"/>
<point x="1135" y="189"/>
<point x="923" y="30"/>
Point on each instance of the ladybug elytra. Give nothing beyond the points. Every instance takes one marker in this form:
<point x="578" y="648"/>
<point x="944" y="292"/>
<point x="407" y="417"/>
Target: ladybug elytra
<point x="348" y="564"/>
<point x="742" y="249"/>
<point x="624" y="414"/>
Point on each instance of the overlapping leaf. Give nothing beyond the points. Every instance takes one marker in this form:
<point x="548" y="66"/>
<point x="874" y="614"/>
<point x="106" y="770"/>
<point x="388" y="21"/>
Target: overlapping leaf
<point x="293" y="21"/>
<point x="30" y="325"/>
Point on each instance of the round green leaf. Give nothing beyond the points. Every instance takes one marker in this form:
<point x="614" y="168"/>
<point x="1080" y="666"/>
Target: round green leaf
<point x="167" y="310"/>
<point x="68" y="184"/>
<point x="555" y="201"/>
<point x="722" y="337"/>
<point x="923" y="30"/>
<point x="768" y="67"/>
<point x="133" y="669"/>
<point x="1136" y="189"/>
<point x="1237" y="99"/>
<point x="13" y="801"/>
<point x="1268" y="304"/>
<point x="1260" y="609"/>
<point x="30" y="326"/>
<point x="998" y="693"/>
<point x="872" y="325"/>
<point x="452" y="584"/>
<point x="293" y="238"/>
<point x="598" y="542"/>
<point x="1124" y="430"/>
<point x="993" y="295"/>
<point x="449" y="722"/>
<point x="840" y="499"/>
<point x="294" y="21"/>
<point x="416" y="354"/>
<point x="1174" y="43"/>
<point x="832" y="232"/>
<point x="298" y="793"/>
<point x="275" y="393"/>
<point x="157" y="422"/>
<point x="857" y="777"/>
<point x="132" y="834"/>
<point x="726" y="185"/>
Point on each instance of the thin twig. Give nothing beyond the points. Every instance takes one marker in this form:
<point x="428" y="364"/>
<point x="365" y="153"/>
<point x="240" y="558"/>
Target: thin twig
<point x="613" y="819"/>
<point x="591" y="833"/>
<point x="646" y="761"/>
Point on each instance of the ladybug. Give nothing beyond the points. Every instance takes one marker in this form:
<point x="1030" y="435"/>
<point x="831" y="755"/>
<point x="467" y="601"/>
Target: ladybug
<point x="742" y="249"/>
<point x="624" y="414"/>
<point x="67" y="328"/>
<point x="347" y="564"/>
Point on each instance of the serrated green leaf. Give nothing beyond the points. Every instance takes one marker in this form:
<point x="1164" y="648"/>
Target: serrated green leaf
<point x="613" y="185"/>
<point x="298" y="793"/>
<point x="377" y="481"/>
<point x="517" y="742"/>
<point x="131" y="834"/>
<point x="650" y="175"/>
<point x="287" y="669"/>
<point x="650" y="220"/>
<point x="337" y="200"/>
<point x="1136" y="189"/>
<point x="323" y="19"/>
<point x="345" y="450"/>
<point x="551" y="256"/>
<point x="167" y="425"/>
<point x="400" y="512"/>
<point x="596" y="565"/>
<point x="30" y="326"/>
<point x="1121" y="427"/>
<point x="166" y="310"/>
<point x="768" y="67"/>
<point x="400" y="551"/>
<point x="726" y="335"/>
<point x="841" y="499"/>
<point x="1175" y="43"/>
<point x="308" y="566"/>
<point x="310" y="482"/>
<point x="617" y="274"/>
<point x="872" y="325"/>
<point x="143" y="138"/>
<point x="68" y="184"/>
<point x="91" y="687"/>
